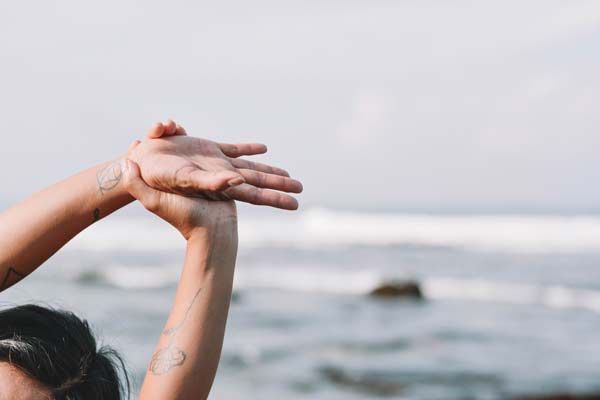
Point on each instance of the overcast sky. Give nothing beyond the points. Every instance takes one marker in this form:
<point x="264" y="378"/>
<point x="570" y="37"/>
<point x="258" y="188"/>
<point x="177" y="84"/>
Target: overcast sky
<point x="373" y="104"/>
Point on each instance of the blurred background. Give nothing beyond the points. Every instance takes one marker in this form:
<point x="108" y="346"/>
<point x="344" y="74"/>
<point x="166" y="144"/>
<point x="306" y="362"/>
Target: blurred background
<point x="448" y="242"/>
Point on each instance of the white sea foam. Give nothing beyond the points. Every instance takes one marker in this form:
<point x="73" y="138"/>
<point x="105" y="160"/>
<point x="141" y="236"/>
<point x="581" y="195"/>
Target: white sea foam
<point x="140" y="277"/>
<point x="438" y="289"/>
<point x="512" y="293"/>
<point x="304" y="279"/>
<point x="320" y="228"/>
<point x="307" y="279"/>
<point x="361" y="282"/>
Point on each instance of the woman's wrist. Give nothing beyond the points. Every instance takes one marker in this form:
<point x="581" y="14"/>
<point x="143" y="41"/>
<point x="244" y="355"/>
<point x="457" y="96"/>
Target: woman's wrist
<point x="109" y="178"/>
<point x="216" y="244"/>
<point x="223" y="235"/>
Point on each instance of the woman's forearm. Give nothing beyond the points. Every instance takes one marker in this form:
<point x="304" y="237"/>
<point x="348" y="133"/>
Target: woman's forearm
<point x="33" y="230"/>
<point x="187" y="355"/>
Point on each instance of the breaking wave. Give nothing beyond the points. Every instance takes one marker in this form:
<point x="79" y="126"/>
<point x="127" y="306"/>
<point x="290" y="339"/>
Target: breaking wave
<point x="361" y="282"/>
<point x="320" y="228"/>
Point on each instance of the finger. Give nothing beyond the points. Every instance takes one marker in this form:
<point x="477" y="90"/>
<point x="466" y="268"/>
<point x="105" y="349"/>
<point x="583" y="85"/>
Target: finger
<point x="262" y="197"/>
<point x="170" y="128"/>
<point x="241" y="163"/>
<point x="180" y="130"/>
<point x="135" y="185"/>
<point x="242" y="149"/>
<point x="156" y="131"/>
<point x="133" y="145"/>
<point x="270" y="181"/>
<point x="199" y="180"/>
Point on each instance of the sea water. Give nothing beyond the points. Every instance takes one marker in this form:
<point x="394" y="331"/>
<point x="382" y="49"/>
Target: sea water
<point x="511" y="302"/>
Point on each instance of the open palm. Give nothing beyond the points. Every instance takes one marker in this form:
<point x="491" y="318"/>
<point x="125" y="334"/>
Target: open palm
<point x="191" y="166"/>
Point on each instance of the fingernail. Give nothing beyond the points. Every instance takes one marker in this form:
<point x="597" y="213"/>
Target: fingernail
<point x="236" y="181"/>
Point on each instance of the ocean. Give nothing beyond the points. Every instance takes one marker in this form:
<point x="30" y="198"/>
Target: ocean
<point x="511" y="302"/>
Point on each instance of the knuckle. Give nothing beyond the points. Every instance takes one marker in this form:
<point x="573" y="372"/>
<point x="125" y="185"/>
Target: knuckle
<point x="280" y="200"/>
<point x="126" y="182"/>
<point x="151" y="206"/>
<point x="214" y="186"/>
<point x="215" y="183"/>
<point x="285" y="183"/>
<point x="253" y="197"/>
<point x="184" y="183"/>
<point x="152" y="203"/>
<point x="261" y="179"/>
<point x="183" y="180"/>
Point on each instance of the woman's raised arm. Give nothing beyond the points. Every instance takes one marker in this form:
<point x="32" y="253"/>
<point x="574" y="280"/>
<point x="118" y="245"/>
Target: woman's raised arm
<point x="33" y="230"/>
<point x="185" y="361"/>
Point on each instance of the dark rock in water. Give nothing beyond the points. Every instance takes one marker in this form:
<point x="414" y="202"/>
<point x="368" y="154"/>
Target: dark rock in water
<point x="367" y="383"/>
<point x="407" y="289"/>
<point x="89" y="277"/>
<point x="561" y="396"/>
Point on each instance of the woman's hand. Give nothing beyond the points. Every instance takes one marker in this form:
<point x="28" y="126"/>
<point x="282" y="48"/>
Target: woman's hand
<point x="189" y="215"/>
<point x="173" y="162"/>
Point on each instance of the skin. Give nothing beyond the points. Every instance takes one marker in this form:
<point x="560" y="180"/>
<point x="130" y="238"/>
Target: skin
<point x="181" y="164"/>
<point x="185" y="361"/>
<point x="16" y="385"/>
<point x="174" y="176"/>
<point x="33" y="230"/>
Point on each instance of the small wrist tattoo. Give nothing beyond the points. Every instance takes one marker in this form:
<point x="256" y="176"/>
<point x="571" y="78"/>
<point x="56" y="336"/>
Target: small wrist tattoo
<point x="96" y="214"/>
<point x="109" y="177"/>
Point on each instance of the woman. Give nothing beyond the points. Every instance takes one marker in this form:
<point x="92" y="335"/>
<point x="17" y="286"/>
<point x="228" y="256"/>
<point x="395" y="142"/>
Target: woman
<point x="51" y="354"/>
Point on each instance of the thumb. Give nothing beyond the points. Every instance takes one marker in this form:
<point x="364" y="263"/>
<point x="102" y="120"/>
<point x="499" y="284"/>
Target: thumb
<point x="157" y="130"/>
<point x="214" y="181"/>
<point x="135" y="185"/>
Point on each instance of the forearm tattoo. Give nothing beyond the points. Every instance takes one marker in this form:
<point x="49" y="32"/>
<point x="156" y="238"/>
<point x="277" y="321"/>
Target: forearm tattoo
<point x="171" y="356"/>
<point x="12" y="276"/>
<point x="109" y="177"/>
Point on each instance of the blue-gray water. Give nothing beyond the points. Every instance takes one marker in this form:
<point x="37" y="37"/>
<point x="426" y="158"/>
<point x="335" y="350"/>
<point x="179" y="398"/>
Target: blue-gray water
<point x="512" y="303"/>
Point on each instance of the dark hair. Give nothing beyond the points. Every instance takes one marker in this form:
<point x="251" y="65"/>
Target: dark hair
<point x="58" y="350"/>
